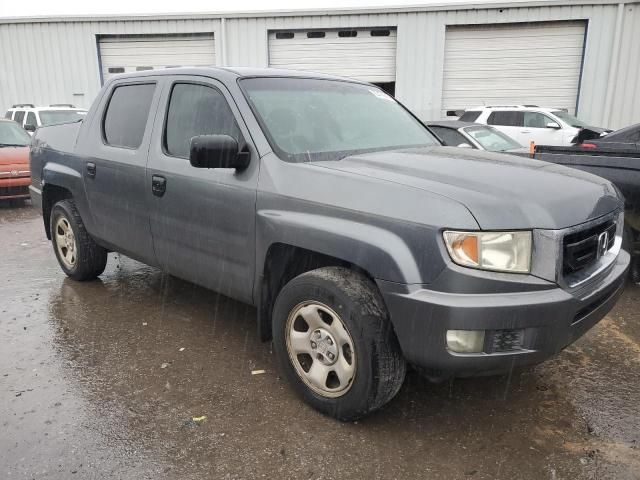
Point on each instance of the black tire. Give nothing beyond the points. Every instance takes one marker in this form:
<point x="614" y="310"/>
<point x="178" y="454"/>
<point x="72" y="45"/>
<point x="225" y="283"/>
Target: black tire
<point x="379" y="365"/>
<point x="91" y="258"/>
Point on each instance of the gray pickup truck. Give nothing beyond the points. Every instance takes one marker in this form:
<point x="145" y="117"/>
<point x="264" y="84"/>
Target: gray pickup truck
<point x="363" y="242"/>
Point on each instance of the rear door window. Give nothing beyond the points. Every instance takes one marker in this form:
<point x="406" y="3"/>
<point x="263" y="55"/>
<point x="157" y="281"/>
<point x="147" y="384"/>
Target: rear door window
<point x="470" y="116"/>
<point x="126" y="117"/>
<point x="450" y="137"/>
<point x="506" y="118"/>
<point x="31" y="119"/>
<point x="194" y="110"/>
<point x="19" y="116"/>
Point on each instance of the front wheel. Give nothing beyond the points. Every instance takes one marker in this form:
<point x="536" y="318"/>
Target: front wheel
<point x="78" y="254"/>
<point x="333" y="339"/>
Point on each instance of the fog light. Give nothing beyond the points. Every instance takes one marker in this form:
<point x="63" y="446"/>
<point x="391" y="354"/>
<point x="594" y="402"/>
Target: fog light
<point x="465" y="341"/>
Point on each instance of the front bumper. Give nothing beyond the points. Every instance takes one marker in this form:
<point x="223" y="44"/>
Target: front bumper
<point x="11" y="188"/>
<point x="547" y="320"/>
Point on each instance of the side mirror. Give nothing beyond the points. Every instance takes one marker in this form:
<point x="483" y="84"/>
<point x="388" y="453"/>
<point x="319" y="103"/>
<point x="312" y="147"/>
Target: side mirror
<point x="30" y="127"/>
<point x="553" y="125"/>
<point x="464" y="145"/>
<point x="217" y="151"/>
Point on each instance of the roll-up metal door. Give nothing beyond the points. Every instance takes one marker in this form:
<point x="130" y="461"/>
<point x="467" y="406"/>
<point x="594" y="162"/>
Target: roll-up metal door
<point x="514" y="64"/>
<point x="124" y="54"/>
<point x="364" y="54"/>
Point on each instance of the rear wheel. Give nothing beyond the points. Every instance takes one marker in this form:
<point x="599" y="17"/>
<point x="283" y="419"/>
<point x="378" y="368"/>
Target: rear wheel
<point x="77" y="253"/>
<point x="333" y="339"/>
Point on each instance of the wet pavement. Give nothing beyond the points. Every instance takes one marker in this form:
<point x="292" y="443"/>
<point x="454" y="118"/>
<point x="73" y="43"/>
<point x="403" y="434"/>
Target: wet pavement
<point x="94" y="384"/>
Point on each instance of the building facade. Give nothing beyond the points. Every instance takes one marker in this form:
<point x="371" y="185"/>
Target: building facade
<point x="580" y="55"/>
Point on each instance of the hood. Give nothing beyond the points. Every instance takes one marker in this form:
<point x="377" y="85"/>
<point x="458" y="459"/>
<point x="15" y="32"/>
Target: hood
<point x="590" y="133"/>
<point x="501" y="191"/>
<point x="14" y="155"/>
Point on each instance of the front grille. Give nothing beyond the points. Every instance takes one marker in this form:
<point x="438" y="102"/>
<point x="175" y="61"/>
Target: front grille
<point x="582" y="249"/>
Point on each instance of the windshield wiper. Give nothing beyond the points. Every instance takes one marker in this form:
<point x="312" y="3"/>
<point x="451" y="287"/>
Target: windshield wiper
<point x="13" y="145"/>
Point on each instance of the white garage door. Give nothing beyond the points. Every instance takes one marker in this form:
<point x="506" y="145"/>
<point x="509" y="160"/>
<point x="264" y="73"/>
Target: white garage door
<point x="363" y="54"/>
<point x="120" y="54"/>
<point x="532" y="63"/>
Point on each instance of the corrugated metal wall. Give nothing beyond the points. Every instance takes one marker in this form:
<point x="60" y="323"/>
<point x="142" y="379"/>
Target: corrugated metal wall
<point x="57" y="62"/>
<point x="50" y="62"/>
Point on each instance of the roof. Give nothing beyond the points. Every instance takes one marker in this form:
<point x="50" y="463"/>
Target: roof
<point x="512" y="107"/>
<point x="238" y="72"/>
<point x="453" y="124"/>
<point x="50" y="107"/>
<point x="435" y="5"/>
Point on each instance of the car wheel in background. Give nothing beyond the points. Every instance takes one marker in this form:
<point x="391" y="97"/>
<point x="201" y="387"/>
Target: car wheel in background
<point x="335" y="343"/>
<point x="77" y="253"/>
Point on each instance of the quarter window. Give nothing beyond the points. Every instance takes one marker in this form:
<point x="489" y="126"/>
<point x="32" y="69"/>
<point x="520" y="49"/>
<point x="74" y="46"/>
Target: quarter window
<point x="506" y="118"/>
<point x="8" y="114"/>
<point x="196" y="110"/>
<point x="126" y="117"/>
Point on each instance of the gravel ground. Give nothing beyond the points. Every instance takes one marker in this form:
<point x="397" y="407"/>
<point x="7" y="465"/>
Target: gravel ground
<point x="103" y="380"/>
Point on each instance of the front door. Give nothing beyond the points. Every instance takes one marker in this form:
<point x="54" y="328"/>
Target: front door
<point x="202" y="220"/>
<point x="536" y="130"/>
<point x="115" y="148"/>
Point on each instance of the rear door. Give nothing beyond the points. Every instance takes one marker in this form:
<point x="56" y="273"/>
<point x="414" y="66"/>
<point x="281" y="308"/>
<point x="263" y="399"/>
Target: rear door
<point x="510" y="122"/>
<point x="115" y="149"/>
<point x="203" y="220"/>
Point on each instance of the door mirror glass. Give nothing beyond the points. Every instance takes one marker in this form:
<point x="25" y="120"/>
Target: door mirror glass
<point x="464" y="145"/>
<point x="217" y="151"/>
<point x="553" y="125"/>
<point x="30" y="127"/>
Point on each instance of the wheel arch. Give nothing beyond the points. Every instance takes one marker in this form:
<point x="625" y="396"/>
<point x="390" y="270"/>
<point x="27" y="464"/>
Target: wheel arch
<point x="283" y="262"/>
<point x="52" y="194"/>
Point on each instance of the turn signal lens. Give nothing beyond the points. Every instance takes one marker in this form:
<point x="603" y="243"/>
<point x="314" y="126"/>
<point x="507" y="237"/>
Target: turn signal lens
<point x="497" y="251"/>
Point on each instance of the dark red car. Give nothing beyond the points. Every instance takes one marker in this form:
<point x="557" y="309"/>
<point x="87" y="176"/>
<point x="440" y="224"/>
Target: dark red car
<point x="15" y="176"/>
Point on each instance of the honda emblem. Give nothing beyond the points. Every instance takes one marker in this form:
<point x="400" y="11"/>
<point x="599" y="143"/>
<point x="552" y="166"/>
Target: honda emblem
<point x="603" y="243"/>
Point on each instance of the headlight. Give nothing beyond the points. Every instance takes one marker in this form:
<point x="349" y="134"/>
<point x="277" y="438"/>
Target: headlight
<point x="498" y="251"/>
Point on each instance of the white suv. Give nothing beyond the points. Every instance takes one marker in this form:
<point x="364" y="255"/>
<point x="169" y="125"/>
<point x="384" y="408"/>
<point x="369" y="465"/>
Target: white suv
<point x="31" y="117"/>
<point x="528" y="123"/>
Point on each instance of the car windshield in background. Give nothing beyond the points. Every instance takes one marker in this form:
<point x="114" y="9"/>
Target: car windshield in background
<point x="12" y="135"/>
<point x="310" y="119"/>
<point x="570" y="119"/>
<point x="53" y="117"/>
<point x="492" y="139"/>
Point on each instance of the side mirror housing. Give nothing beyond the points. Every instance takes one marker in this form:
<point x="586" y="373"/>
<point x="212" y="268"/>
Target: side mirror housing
<point x="30" y="127"/>
<point x="553" y="125"/>
<point x="217" y="151"/>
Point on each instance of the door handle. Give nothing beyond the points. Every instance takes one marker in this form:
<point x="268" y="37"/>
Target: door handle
<point x="91" y="169"/>
<point x="525" y="131"/>
<point x="158" y="185"/>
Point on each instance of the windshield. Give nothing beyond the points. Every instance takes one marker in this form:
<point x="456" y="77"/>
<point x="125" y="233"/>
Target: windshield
<point x="53" y="117"/>
<point x="309" y="119"/>
<point x="570" y="119"/>
<point x="11" y="134"/>
<point x="491" y="139"/>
